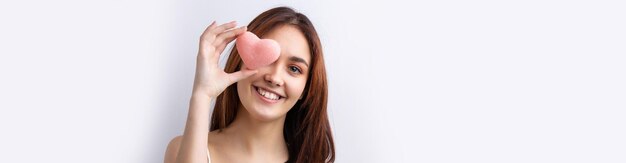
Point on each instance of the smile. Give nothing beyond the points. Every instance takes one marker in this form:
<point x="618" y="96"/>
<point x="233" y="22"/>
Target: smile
<point x="268" y="95"/>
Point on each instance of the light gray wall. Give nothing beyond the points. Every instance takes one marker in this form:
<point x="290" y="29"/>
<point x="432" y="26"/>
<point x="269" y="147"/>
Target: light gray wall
<point x="410" y="81"/>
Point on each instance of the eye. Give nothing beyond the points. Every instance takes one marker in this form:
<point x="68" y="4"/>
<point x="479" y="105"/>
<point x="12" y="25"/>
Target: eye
<point x="295" y="69"/>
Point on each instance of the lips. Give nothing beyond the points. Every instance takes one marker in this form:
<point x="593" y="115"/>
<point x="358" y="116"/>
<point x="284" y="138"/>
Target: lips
<point x="268" y="95"/>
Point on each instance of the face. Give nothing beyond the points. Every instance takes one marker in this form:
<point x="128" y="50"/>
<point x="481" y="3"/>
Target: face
<point x="275" y="89"/>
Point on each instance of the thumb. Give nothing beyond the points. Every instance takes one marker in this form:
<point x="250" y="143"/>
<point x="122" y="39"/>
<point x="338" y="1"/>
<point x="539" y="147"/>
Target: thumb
<point x="240" y="75"/>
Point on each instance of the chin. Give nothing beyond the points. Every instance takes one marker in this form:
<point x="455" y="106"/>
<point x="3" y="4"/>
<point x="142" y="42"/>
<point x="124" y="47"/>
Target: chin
<point x="260" y="109"/>
<point x="265" y="113"/>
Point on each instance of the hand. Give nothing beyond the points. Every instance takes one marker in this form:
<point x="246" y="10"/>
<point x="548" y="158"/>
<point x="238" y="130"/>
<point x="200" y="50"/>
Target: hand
<point x="210" y="79"/>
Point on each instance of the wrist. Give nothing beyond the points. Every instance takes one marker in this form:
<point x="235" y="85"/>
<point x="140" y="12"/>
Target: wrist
<point x="200" y="95"/>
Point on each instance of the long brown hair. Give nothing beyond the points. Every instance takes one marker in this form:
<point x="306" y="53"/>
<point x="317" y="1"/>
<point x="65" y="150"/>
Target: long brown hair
<point x="307" y="130"/>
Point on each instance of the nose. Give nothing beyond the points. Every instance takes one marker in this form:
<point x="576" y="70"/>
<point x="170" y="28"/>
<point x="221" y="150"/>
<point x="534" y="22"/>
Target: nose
<point x="273" y="77"/>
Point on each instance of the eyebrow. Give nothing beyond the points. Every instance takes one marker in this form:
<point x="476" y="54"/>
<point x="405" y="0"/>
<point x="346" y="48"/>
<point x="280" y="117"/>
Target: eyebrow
<point x="298" y="59"/>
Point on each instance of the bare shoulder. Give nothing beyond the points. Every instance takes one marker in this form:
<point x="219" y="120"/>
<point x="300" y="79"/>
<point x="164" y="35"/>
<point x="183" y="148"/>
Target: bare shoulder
<point x="213" y="137"/>
<point x="215" y="145"/>
<point x="172" y="149"/>
<point x="214" y="140"/>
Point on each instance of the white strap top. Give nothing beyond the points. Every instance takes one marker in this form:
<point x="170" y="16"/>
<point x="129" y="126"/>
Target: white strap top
<point x="208" y="155"/>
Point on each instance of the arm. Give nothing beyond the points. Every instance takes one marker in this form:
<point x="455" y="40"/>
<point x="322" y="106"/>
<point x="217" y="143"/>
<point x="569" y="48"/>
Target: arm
<point x="172" y="150"/>
<point x="194" y="139"/>
<point x="209" y="82"/>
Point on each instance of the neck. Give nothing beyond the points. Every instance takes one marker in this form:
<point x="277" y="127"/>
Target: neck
<point x="256" y="137"/>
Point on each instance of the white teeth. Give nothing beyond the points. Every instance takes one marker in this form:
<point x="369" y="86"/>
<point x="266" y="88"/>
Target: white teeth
<point x="267" y="94"/>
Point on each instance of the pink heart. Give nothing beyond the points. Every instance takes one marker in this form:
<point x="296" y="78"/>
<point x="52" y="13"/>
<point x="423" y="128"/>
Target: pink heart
<point x="257" y="52"/>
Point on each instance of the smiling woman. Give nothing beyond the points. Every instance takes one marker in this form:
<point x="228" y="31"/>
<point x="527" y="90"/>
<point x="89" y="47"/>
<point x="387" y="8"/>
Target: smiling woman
<point x="274" y="113"/>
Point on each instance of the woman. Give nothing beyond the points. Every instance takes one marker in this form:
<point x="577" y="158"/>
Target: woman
<point x="275" y="113"/>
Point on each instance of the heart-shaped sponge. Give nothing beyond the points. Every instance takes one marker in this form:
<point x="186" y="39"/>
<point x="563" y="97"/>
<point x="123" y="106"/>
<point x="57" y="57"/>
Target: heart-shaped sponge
<point x="257" y="52"/>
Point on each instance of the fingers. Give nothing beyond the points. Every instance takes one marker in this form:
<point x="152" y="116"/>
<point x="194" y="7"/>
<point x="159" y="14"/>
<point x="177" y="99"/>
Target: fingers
<point x="206" y="34"/>
<point x="209" y="28"/>
<point x="224" y="38"/>
<point x="224" y="27"/>
<point x="208" y="45"/>
<point x="213" y="30"/>
<point x="240" y="75"/>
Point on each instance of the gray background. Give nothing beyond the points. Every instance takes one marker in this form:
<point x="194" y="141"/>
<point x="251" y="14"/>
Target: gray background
<point x="410" y="81"/>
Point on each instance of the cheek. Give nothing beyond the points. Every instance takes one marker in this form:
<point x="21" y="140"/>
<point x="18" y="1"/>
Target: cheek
<point x="296" y="88"/>
<point x="243" y="87"/>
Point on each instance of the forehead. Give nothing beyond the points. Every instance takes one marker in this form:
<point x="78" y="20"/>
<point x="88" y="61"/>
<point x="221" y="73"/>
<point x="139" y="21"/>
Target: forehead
<point x="292" y="42"/>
